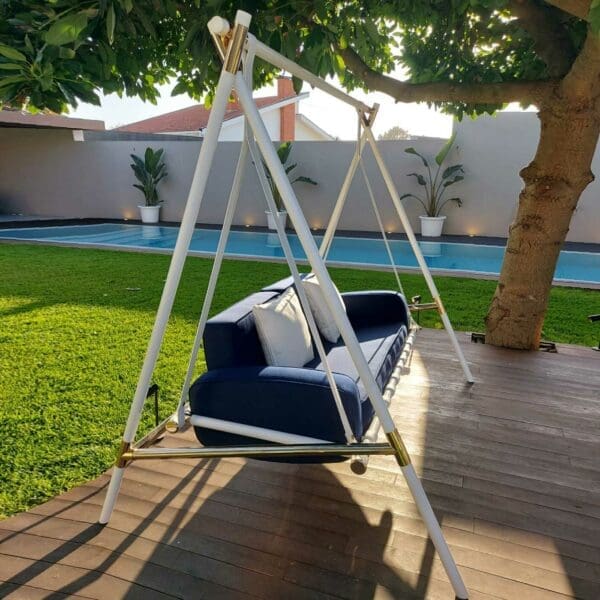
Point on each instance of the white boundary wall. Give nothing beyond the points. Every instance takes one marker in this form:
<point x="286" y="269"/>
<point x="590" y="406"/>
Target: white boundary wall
<point x="46" y="173"/>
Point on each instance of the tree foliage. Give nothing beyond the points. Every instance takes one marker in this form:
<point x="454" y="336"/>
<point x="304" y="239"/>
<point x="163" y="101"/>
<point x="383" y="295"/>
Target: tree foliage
<point x="55" y="54"/>
<point x="395" y="133"/>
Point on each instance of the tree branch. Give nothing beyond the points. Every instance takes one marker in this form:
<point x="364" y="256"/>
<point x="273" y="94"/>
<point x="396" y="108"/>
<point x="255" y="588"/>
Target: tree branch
<point x="552" y="42"/>
<point x="447" y="91"/>
<point x="582" y="82"/>
<point x="575" y="8"/>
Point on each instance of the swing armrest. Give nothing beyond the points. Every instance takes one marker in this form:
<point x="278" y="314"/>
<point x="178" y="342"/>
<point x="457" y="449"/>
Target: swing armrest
<point x="370" y="308"/>
<point x="288" y="399"/>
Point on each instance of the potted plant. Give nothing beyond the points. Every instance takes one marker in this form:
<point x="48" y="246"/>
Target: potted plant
<point x="149" y="172"/>
<point x="283" y="151"/>
<point x="434" y="188"/>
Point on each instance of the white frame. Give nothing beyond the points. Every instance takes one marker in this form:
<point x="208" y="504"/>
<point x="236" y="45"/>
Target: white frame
<point x="242" y="45"/>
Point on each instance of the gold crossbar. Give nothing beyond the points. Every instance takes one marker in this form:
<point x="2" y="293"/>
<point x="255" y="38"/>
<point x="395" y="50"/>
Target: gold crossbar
<point x="259" y="451"/>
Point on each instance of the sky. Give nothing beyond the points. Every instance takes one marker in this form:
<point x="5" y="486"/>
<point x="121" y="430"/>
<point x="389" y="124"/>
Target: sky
<point x="335" y="117"/>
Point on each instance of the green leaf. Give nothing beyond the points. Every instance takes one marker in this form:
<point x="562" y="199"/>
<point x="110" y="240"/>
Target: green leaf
<point x="10" y="66"/>
<point x="283" y="151"/>
<point x="127" y="5"/>
<point x="441" y="157"/>
<point x="6" y="81"/>
<point x="453" y="181"/>
<point x="419" y="177"/>
<point x="67" y="53"/>
<point x="110" y="24"/>
<point x="372" y="31"/>
<point x="305" y="179"/>
<point x="594" y="16"/>
<point x="67" y="29"/>
<point x="451" y="170"/>
<point x="12" y="54"/>
<point x="411" y="150"/>
<point x="297" y="83"/>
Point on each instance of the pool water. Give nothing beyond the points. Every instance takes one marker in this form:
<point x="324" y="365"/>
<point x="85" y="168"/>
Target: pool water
<point x="583" y="267"/>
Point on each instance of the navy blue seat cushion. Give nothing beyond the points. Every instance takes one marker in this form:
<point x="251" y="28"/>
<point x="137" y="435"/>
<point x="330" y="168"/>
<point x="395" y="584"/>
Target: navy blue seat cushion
<point x="381" y="345"/>
<point x="230" y="338"/>
<point x="288" y="399"/>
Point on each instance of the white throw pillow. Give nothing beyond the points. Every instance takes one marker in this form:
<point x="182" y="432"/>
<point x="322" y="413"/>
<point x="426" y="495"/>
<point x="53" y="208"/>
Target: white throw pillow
<point x="323" y="317"/>
<point x="283" y="331"/>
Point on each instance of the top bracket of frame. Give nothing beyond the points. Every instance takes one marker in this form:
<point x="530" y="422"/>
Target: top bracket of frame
<point x="231" y="42"/>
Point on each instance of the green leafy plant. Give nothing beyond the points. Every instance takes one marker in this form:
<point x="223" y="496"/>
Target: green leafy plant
<point x="283" y="151"/>
<point x="149" y="172"/>
<point x="435" y="184"/>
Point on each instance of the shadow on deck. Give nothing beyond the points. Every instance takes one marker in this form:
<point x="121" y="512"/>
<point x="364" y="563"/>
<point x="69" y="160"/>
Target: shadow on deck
<point x="510" y="465"/>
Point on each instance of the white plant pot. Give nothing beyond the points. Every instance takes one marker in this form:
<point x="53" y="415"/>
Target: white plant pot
<point x="281" y="215"/>
<point x="149" y="214"/>
<point x="432" y="226"/>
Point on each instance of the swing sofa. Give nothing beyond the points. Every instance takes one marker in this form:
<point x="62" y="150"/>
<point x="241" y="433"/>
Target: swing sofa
<point x="239" y="386"/>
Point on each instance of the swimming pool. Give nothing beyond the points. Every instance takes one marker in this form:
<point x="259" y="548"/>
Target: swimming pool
<point x="581" y="267"/>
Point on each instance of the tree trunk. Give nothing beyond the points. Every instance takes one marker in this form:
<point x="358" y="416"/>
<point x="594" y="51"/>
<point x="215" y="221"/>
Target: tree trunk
<point x="554" y="182"/>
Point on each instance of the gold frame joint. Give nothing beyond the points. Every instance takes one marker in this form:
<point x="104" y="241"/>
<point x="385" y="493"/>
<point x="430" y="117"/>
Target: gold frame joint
<point x="234" y="49"/>
<point x="395" y="440"/>
<point x="123" y="457"/>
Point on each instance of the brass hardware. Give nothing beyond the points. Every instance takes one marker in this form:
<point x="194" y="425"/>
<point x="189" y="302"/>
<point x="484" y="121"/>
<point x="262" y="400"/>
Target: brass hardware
<point x="400" y="450"/>
<point x="259" y="451"/>
<point x="220" y="44"/>
<point x="367" y="121"/>
<point x="235" y="48"/>
<point x="424" y="306"/>
<point x="121" y="456"/>
<point x="172" y="426"/>
<point x="440" y="306"/>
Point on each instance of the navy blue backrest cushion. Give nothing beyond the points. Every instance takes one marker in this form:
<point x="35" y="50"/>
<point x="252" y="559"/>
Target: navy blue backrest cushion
<point x="230" y="338"/>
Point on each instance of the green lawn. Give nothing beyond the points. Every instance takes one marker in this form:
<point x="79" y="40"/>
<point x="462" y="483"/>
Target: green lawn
<point x="73" y="330"/>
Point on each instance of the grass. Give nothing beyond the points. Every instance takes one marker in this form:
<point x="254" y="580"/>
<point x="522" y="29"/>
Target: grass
<point x="74" y="328"/>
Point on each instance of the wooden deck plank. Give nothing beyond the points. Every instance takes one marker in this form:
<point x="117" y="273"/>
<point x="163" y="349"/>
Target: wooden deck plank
<point x="510" y="465"/>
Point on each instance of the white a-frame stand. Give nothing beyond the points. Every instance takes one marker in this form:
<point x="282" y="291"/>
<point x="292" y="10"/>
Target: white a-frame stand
<point x="236" y="46"/>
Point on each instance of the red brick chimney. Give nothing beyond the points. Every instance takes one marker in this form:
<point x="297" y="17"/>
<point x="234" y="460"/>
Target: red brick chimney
<point x="287" y="114"/>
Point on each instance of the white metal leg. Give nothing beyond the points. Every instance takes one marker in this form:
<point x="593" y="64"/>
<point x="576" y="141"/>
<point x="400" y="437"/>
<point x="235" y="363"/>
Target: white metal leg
<point x="186" y="230"/>
<point x="341" y="200"/>
<point x="381" y="227"/>
<point x="178" y="418"/>
<point x="435" y="532"/>
<point x="289" y="256"/>
<point x="111" y="495"/>
<point x="417" y="251"/>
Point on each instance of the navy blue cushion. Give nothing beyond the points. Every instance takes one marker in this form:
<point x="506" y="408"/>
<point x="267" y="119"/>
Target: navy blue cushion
<point x="230" y="338"/>
<point x="381" y="345"/>
<point x="365" y="309"/>
<point x="289" y="399"/>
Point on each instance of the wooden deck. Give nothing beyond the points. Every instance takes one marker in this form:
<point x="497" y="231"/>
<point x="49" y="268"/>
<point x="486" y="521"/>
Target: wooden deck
<point x="511" y="465"/>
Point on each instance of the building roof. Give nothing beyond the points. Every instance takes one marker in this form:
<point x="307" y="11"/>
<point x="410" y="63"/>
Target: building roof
<point x="16" y="118"/>
<point x="195" y="118"/>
